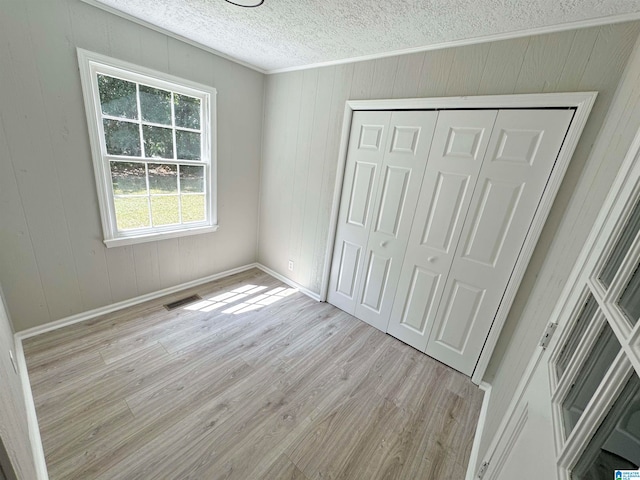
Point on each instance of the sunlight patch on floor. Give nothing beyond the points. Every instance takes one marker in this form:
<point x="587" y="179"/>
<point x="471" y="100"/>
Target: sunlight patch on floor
<point x="248" y="297"/>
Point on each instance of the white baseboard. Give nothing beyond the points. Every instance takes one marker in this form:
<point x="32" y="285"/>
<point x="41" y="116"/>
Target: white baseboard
<point x="81" y="317"/>
<point x="32" y="418"/>
<point x="288" y="281"/>
<point x="472" y="467"/>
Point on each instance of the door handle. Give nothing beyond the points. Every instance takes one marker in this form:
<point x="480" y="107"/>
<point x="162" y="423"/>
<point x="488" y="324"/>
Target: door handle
<point x="383" y="243"/>
<point x="431" y="259"/>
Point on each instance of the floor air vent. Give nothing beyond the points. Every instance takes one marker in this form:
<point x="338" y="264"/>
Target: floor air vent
<point x="182" y="301"/>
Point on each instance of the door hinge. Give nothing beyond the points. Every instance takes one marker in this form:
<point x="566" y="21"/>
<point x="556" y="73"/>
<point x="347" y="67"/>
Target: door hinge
<point x="483" y="469"/>
<point x="548" y="333"/>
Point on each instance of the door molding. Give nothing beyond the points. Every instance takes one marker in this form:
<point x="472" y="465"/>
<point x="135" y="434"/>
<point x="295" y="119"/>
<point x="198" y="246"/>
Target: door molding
<point x="582" y="102"/>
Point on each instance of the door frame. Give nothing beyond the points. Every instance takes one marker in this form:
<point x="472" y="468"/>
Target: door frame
<point x="582" y="102"/>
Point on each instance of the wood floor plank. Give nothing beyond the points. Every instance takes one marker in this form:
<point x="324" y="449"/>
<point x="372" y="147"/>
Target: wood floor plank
<point x="190" y="388"/>
<point x="90" y="431"/>
<point x="108" y="386"/>
<point x="50" y="376"/>
<point x="254" y="381"/>
<point x="205" y="431"/>
<point x="329" y="443"/>
<point x="282" y="469"/>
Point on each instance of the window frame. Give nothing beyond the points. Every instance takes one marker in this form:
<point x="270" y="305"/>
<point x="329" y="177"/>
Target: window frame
<point x="91" y="64"/>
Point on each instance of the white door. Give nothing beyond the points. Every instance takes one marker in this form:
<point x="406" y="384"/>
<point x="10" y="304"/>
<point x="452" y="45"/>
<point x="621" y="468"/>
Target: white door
<point x="364" y="159"/>
<point x="527" y="449"/>
<point x="575" y="413"/>
<point x="458" y="148"/>
<point x="522" y="151"/>
<point x="565" y="402"/>
<point x="385" y="166"/>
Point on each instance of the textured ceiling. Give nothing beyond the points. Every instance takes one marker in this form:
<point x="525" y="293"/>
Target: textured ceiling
<point x="293" y="33"/>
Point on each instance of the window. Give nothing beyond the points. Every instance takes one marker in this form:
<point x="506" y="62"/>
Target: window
<point x="153" y="143"/>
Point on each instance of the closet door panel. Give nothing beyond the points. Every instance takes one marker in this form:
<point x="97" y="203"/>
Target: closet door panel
<point x="409" y="140"/>
<point x="460" y="311"/>
<point x="458" y="148"/>
<point x="520" y="157"/>
<point x="420" y="298"/>
<point x="446" y="205"/>
<point x="367" y="143"/>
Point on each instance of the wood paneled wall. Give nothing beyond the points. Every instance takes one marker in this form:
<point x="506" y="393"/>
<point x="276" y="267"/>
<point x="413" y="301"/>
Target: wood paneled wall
<point x="52" y="262"/>
<point x="14" y="430"/>
<point x="303" y="116"/>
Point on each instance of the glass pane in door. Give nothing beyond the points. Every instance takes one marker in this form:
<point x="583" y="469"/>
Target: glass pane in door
<point x="589" y="377"/>
<point x="630" y="300"/>
<point x="616" y="444"/>
<point x="577" y="332"/>
<point x="621" y="248"/>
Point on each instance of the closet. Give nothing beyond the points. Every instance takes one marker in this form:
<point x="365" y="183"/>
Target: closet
<point x="435" y="208"/>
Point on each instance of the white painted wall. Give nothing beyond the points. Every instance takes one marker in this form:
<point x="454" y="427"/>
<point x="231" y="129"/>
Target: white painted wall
<point x="14" y="430"/>
<point x="52" y="262"/>
<point x="303" y="112"/>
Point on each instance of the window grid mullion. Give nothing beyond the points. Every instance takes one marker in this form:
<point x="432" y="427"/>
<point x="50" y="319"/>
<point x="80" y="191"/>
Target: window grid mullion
<point x="179" y="195"/>
<point x="186" y="129"/>
<point x="125" y="195"/>
<point x="150" y="124"/>
<point x="142" y="150"/>
<point x="120" y="119"/>
<point x="195" y="163"/>
<point x="146" y="171"/>
<point x="173" y="127"/>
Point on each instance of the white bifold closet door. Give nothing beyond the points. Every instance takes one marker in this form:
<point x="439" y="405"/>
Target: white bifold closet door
<point x="434" y="271"/>
<point x="386" y="160"/>
<point x="459" y="146"/>
<point x="522" y="151"/>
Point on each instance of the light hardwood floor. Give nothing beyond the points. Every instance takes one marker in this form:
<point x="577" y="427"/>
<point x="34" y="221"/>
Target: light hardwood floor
<point x="259" y="383"/>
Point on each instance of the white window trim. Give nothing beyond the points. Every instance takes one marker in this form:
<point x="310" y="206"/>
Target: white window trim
<point x="89" y="64"/>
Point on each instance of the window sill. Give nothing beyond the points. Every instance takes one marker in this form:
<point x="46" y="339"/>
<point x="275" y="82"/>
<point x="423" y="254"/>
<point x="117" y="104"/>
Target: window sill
<point x="152" y="237"/>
